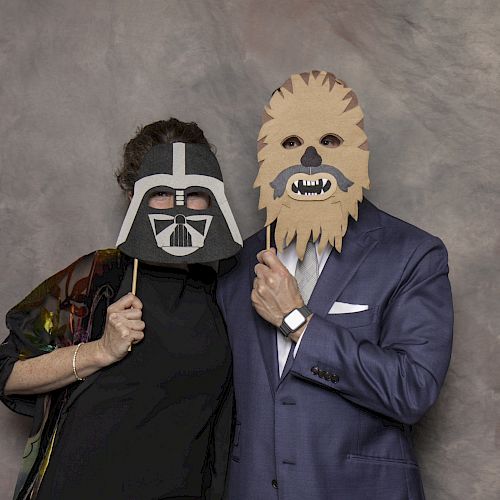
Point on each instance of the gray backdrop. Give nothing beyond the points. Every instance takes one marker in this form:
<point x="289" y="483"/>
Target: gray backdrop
<point x="78" y="77"/>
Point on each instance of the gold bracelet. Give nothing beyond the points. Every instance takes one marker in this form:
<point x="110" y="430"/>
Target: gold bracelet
<point x="74" y="363"/>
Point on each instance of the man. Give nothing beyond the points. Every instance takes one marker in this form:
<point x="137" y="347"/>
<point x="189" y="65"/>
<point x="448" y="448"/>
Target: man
<point x="341" y="336"/>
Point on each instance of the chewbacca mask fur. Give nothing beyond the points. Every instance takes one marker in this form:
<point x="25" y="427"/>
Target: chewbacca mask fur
<point x="313" y="157"/>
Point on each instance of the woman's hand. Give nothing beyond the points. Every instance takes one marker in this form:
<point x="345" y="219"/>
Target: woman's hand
<point x="123" y="328"/>
<point x="55" y="369"/>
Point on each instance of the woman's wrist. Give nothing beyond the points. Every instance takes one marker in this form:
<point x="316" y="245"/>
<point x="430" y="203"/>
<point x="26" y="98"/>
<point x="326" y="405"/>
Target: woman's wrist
<point x="96" y="354"/>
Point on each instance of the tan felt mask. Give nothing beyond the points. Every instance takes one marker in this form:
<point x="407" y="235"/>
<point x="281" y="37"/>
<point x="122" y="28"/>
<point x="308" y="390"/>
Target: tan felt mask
<point x="313" y="157"/>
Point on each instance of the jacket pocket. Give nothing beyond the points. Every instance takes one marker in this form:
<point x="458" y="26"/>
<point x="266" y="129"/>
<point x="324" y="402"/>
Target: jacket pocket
<point x="380" y="437"/>
<point x="382" y="461"/>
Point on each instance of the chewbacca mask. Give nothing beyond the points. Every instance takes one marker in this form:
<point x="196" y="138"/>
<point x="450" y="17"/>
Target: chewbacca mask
<point x="179" y="234"/>
<point x="313" y="157"/>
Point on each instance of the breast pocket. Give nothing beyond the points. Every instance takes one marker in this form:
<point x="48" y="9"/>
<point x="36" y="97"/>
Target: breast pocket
<point x="355" y="319"/>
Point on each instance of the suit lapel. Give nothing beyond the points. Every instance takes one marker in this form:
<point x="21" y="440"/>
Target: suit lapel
<point x="267" y="341"/>
<point x="266" y="333"/>
<point x="288" y="365"/>
<point x="339" y="270"/>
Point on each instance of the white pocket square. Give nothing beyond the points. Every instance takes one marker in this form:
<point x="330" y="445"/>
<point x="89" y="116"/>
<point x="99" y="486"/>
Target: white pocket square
<point x="345" y="308"/>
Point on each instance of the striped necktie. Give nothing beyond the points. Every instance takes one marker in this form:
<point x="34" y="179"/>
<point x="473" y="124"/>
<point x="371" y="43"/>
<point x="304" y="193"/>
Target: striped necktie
<point x="307" y="272"/>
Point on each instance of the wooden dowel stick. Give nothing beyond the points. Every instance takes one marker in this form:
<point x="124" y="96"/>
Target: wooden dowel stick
<point x="134" y="286"/>
<point x="134" y="276"/>
<point x="268" y="237"/>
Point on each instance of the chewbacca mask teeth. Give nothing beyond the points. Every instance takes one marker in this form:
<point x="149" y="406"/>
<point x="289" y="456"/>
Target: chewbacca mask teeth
<point x="313" y="157"/>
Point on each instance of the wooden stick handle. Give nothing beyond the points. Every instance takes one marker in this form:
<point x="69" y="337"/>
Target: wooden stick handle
<point x="134" y="286"/>
<point x="134" y="276"/>
<point x="268" y="237"/>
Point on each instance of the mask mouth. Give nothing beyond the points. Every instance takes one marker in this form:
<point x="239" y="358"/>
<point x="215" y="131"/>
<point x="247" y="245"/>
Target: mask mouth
<point x="318" y="183"/>
<point x="318" y="186"/>
<point x="180" y="234"/>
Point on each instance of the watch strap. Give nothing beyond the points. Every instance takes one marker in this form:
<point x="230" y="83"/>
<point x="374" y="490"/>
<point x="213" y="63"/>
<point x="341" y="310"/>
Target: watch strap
<point x="305" y="311"/>
<point x="285" y="329"/>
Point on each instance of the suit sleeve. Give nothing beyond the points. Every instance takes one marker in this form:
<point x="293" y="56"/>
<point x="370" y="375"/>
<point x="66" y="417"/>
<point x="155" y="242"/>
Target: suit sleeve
<point x="400" y="376"/>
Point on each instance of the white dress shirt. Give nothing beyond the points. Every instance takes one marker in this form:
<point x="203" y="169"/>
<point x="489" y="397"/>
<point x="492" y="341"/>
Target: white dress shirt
<point x="289" y="259"/>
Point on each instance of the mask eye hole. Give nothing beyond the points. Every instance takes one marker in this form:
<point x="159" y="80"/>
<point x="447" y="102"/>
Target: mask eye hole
<point x="197" y="200"/>
<point x="331" y="141"/>
<point x="161" y="199"/>
<point x="292" y="142"/>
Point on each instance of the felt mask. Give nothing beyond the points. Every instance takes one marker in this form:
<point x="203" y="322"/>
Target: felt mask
<point x="313" y="160"/>
<point x="179" y="234"/>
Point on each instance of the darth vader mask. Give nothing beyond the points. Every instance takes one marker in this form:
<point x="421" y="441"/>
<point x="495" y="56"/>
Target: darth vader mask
<point x="179" y="234"/>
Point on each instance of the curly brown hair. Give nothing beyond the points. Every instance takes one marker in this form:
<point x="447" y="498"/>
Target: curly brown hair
<point x="160" y="132"/>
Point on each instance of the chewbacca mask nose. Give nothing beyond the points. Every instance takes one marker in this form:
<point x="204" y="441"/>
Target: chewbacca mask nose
<point x="311" y="158"/>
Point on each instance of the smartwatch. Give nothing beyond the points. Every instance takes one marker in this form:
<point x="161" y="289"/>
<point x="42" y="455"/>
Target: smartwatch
<point x="294" y="320"/>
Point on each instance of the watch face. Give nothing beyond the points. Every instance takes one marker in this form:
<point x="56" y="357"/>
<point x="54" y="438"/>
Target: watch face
<point x="295" y="319"/>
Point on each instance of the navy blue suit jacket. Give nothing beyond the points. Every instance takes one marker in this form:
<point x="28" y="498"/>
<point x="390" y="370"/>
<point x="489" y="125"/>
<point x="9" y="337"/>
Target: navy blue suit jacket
<point x="337" y="425"/>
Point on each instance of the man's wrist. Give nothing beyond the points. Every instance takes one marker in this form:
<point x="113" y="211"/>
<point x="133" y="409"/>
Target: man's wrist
<point x="294" y="320"/>
<point x="295" y="336"/>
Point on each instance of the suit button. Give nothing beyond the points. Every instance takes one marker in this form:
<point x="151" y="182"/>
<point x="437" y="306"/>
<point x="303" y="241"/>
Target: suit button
<point x="275" y="484"/>
<point x="315" y="370"/>
<point x="322" y="373"/>
<point x="334" y="378"/>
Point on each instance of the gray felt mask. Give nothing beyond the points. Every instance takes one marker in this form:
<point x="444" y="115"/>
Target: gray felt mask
<point x="179" y="234"/>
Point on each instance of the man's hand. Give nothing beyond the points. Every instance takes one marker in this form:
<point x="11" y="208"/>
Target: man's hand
<point x="124" y="327"/>
<point x="275" y="292"/>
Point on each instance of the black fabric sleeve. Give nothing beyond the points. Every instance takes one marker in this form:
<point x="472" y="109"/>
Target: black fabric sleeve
<point x="40" y="323"/>
<point x="9" y="354"/>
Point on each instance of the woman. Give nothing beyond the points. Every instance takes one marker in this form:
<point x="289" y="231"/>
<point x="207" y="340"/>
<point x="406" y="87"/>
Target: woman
<point x="131" y="394"/>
